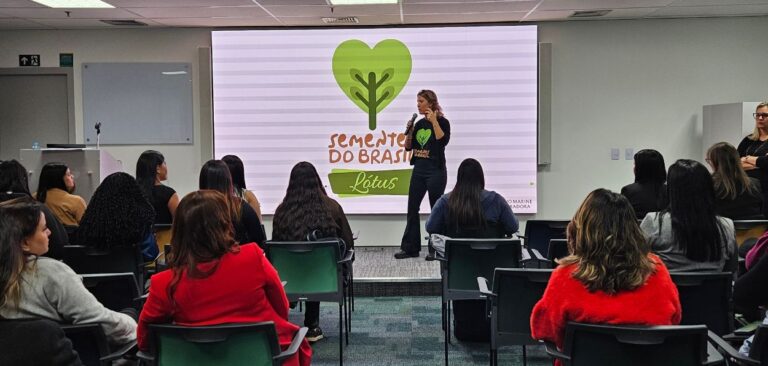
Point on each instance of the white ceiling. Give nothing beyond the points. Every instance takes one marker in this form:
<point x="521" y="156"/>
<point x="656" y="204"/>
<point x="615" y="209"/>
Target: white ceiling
<point x="25" y="14"/>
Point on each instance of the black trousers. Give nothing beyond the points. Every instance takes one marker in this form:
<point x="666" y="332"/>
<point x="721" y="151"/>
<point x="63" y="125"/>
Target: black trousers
<point x="424" y="180"/>
<point x="312" y="314"/>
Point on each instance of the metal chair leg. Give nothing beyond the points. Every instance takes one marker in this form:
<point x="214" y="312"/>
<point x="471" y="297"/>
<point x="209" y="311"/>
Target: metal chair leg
<point x="341" y="340"/>
<point x="525" y="357"/>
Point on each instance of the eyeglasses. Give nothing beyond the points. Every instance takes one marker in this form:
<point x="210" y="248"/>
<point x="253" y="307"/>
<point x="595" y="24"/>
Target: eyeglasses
<point x="760" y="115"/>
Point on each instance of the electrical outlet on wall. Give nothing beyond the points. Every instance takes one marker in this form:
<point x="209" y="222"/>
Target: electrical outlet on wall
<point x="614" y="153"/>
<point x="629" y="153"/>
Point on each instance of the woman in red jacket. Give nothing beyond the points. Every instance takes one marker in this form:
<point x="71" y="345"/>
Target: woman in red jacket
<point x="215" y="280"/>
<point x="610" y="277"/>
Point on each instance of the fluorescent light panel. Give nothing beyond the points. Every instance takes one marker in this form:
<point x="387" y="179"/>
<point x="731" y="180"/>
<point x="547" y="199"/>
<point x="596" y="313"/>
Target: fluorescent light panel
<point x="362" y="2"/>
<point x="74" y="3"/>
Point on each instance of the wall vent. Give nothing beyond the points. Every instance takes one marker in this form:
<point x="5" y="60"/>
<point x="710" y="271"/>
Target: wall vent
<point x="589" y="13"/>
<point x="124" y="22"/>
<point x="342" y="20"/>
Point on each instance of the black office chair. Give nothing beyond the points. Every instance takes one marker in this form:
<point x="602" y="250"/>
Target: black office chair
<point x="706" y="299"/>
<point x="35" y="342"/>
<point x="538" y="233"/>
<point x="515" y="292"/>
<point x="116" y="291"/>
<point x="611" y="345"/>
<point x="758" y="352"/>
<point x="120" y="259"/>
<point x="558" y="248"/>
<point x="92" y="346"/>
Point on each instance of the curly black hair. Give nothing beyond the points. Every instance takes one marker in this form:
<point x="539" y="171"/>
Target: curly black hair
<point x="303" y="209"/>
<point x="119" y="214"/>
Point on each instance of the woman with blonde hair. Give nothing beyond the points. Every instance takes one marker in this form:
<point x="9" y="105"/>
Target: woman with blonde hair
<point x="737" y="195"/>
<point x="753" y="149"/>
<point x="610" y="275"/>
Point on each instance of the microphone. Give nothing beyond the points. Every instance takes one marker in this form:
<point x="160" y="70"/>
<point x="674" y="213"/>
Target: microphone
<point x="410" y="123"/>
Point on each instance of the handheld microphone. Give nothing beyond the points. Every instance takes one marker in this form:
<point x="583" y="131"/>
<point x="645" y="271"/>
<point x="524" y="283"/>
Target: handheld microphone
<point x="410" y="123"/>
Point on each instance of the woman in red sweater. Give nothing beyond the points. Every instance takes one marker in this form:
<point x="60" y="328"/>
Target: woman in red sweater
<point x="215" y="280"/>
<point x="610" y="277"/>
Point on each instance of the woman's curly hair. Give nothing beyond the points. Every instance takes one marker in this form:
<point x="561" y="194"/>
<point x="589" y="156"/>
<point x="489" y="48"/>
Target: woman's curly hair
<point x="303" y="209"/>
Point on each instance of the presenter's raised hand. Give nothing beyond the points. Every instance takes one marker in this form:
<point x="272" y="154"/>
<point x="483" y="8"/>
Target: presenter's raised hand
<point x="431" y="116"/>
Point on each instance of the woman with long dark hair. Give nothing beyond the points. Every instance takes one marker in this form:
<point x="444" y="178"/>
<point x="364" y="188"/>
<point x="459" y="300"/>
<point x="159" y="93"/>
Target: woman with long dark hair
<point x="215" y="175"/>
<point x="237" y="171"/>
<point x="610" y="269"/>
<point x="151" y="171"/>
<point x="304" y="210"/>
<point x="688" y="235"/>
<point x="214" y="280"/>
<point x="15" y="184"/>
<point x="469" y="210"/>
<point x="119" y="215"/>
<point x="737" y="195"/>
<point x="426" y="140"/>
<point x="34" y="287"/>
<point x="648" y="193"/>
<point x="55" y="189"/>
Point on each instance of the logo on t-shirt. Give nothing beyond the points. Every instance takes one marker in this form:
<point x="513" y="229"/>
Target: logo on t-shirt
<point x="422" y="136"/>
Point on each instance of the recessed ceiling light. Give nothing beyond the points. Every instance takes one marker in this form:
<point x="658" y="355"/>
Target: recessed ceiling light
<point x="74" y="3"/>
<point x="362" y="2"/>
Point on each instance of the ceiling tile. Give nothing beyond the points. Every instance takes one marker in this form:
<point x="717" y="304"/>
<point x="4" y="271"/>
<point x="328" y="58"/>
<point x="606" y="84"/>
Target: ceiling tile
<point x="600" y="4"/>
<point x="291" y="2"/>
<point x="715" y="2"/>
<point x="20" y="4"/>
<point x="338" y="11"/>
<point x="201" y="12"/>
<point x="176" y="3"/>
<point x="709" y="11"/>
<point x="21" y="24"/>
<point x="460" y="8"/>
<point x="50" y="13"/>
<point x="440" y="2"/>
<point x="464" y="18"/>
<point x="76" y="23"/>
<point x="300" y="10"/>
<point x="363" y="20"/>
<point x="219" y="22"/>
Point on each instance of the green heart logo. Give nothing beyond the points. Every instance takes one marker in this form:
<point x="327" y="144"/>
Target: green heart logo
<point x="422" y="136"/>
<point x="372" y="78"/>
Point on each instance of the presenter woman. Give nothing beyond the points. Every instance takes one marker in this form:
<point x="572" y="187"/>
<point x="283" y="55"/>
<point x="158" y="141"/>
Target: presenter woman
<point x="427" y="140"/>
<point x="753" y="150"/>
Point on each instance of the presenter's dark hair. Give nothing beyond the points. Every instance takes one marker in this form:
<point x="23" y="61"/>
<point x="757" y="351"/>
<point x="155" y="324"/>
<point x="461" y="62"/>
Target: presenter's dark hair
<point x="303" y="209"/>
<point x="146" y="170"/>
<point x="13" y="178"/>
<point x="51" y="176"/>
<point x="431" y="98"/>
<point x="215" y="175"/>
<point x="236" y="169"/>
<point x="20" y="218"/>
<point x="695" y="227"/>
<point x="119" y="214"/>
<point x="729" y="177"/>
<point x="465" y="209"/>
<point x="649" y="167"/>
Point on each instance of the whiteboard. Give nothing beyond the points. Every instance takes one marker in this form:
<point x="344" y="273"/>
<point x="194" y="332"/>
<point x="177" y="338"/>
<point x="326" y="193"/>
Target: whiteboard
<point x="138" y="103"/>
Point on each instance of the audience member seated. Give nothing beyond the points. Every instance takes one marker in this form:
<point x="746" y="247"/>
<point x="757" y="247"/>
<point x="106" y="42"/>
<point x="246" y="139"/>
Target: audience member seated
<point x="214" y="280"/>
<point x="15" y="184"/>
<point x="470" y="211"/>
<point x="648" y="193"/>
<point x="737" y="196"/>
<point x="610" y="276"/>
<point x="215" y="175"/>
<point x="55" y="189"/>
<point x="688" y="235"/>
<point x="151" y="171"/>
<point x="306" y="208"/>
<point x="237" y="171"/>
<point x="119" y="215"/>
<point x="35" y="287"/>
<point x="749" y="294"/>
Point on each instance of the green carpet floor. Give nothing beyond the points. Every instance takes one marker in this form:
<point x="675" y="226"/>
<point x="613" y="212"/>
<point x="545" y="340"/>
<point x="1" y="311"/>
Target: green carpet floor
<point x="402" y="331"/>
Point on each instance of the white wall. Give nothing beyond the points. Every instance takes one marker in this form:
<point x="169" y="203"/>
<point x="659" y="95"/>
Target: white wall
<point x="624" y="84"/>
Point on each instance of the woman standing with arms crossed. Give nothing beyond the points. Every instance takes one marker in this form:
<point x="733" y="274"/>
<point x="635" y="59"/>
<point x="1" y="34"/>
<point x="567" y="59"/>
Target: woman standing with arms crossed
<point x="427" y="139"/>
<point x="754" y="148"/>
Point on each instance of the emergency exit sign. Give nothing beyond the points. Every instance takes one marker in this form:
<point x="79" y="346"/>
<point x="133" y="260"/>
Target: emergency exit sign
<point x="29" y="60"/>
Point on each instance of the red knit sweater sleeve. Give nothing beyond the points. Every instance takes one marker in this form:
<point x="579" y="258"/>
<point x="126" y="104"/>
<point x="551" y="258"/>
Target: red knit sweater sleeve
<point x="550" y="313"/>
<point x="669" y="288"/>
<point x="157" y="308"/>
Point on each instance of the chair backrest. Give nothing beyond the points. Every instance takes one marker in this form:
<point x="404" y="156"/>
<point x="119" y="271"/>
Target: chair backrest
<point x="759" y="349"/>
<point x="221" y="345"/>
<point x="749" y="230"/>
<point x="119" y="259"/>
<point x="597" y="344"/>
<point x="310" y="269"/>
<point x="558" y="248"/>
<point x="538" y="233"/>
<point x="35" y="342"/>
<point x="89" y="341"/>
<point x="116" y="291"/>
<point x="492" y="229"/>
<point x="706" y="299"/>
<point x="517" y="291"/>
<point x="467" y="259"/>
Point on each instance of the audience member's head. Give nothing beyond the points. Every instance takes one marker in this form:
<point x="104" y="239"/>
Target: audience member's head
<point x="728" y="176"/>
<point x="150" y="169"/>
<point x="118" y="215"/>
<point x="303" y="208"/>
<point x="649" y="167"/>
<point x="13" y="178"/>
<point x="236" y="169"/>
<point x="607" y="245"/>
<point x="22" y="232"/>
<point x="215" y="175"/>
<point x="465" y="208"/>
<point x="54" y="175"/>
<point x="761" y="120"/>
<point x="695" y="225"/>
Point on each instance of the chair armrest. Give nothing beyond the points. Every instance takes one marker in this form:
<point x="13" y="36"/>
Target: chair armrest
<point x="553" y="352"/>
<point x="538" y="255"/>
<point x="482" y="284"/>
<point x="525" y="256"/>
<point x="439" y="257"/>
<point x="729" y="351"/>
<point x="347" y="258"/>
<point x="141" y="299"/>
<point x="119" y="353"/>
<point x="284" y="283"/>
<point x="295" y="344"/>
<point x="146" y="356"/>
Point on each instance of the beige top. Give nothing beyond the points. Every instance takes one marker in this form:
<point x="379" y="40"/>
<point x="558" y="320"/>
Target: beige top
<point x="68" y="208"/>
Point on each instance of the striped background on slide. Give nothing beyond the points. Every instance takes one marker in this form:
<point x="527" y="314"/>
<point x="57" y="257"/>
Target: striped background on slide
<point x="276" y="102"/>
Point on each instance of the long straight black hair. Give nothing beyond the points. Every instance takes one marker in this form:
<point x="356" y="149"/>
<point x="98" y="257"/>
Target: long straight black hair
<point x="303" y="209"/>
<point x="51" y="176"/>
<point x="146" y="170"/>
<point x="465" y="208"/>
<point x="695" y="227"/>
<point x="215" y="175"/>
<point x="237" y="171"/>
<point x="13" y="178"/>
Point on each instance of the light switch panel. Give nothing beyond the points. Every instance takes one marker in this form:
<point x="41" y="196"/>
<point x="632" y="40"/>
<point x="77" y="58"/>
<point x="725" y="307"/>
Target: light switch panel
<point x="629" y="153"/>
<point x="614" y="153"/>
